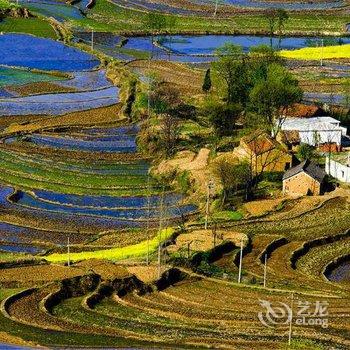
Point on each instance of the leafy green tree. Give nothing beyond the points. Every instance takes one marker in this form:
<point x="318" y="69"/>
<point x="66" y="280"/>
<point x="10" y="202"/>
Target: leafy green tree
<point x="271" y="97"/>
<point x="221" y="116"/>
<point x="232" y="175"/>
<point x="305" y="152"/>
<point x="207" y="81"/>
<point x="346" y="88"/>
<point x="231" y="70"/>
<point x="155" y="22"/>
<point x="276" y="18"/>
<point x="260" y="58"/>
<point x="282" y="17"/>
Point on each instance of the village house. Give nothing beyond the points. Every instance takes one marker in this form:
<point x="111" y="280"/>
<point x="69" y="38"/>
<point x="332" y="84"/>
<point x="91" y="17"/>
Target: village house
<point x="264" y="153"/>
<point x="324" y="133"/>
<point x="307" y="178"/>
<point x="338" y="166"/>
<point x="300" y="110"/>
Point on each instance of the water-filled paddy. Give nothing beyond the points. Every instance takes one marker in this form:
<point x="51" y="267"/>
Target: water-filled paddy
<point x="51" y="8"/>
<point x="28" y="200"/>
<point x="328" y="98"/>
<point x="160" y="6"/>
<point x="59" y="103"/>
<point x="288" y="5"/>
<point x="17" y="248"/>
<point x="12" y="76"/>
<point x="48" y="54"/>
<point x="169" y="199"/>
<point x="195" y="49"/>
<point x="103" y="144"/>
<point x="99" y="204"/>
<point x="341" y="273"/>
<point x="91" y="80"/>
<point x="206" y="45"/>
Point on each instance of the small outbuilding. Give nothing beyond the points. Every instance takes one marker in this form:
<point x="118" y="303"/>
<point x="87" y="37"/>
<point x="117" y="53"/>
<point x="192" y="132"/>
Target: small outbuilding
<point x="307" y="178"/>
<point x="338" y="166"/>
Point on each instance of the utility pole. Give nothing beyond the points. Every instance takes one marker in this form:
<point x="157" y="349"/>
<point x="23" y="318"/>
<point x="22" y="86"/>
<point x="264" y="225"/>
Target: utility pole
<point x="291" y="321"/>
<point x="214" y="235"/>
<point x="148" y="217"/>
<point x="240" y="263"/>
<point x="149" y="88"/>
<point x="209" y="187"/>
<point x="216" y="7"/>
<point x="322" y="46"/>
<point x="265" y="269"/>
<point x="160" y="233"/>
<point x="92" y="40"/>
<point x="68" y="251"/>
<point x="189" y="249"/>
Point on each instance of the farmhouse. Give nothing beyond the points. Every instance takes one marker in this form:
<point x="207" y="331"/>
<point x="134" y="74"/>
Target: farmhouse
<point x="303" y="179"/>
<point x="322" y="132"/>
<point x="338" y="166"/>
<point x="300" y="110"/>
<point x="264" y="153"/>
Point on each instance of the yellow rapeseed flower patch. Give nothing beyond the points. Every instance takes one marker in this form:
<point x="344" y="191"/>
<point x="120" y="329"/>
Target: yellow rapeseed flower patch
<point x="132" y="251"/>
<point x="316" y="53"/>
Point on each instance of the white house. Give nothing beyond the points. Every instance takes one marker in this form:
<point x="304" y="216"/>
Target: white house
<point x="338" y="165"/>
<point x="315" y="131"/>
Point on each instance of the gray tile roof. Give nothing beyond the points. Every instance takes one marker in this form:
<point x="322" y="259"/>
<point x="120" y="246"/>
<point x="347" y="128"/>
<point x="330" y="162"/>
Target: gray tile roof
<point x="307" y="167"/>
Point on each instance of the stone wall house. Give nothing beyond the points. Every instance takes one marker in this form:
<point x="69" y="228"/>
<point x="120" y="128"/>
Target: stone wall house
<point x="264" y="153"/>
<point x="307" y="178"/>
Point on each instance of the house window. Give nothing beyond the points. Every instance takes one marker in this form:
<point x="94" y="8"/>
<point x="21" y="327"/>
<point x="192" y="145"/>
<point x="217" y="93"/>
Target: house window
<point x="343" y="173"/>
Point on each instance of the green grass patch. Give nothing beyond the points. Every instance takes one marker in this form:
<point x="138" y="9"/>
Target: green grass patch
<point x="138" y="54"/>
<point x="35" y="26"/>
<point x="6" y="4"/>
<point x="19" y="172"/>
<point x="107" y="16"/>
<point x="129" y="252"/>
<point x="227" y="215"/>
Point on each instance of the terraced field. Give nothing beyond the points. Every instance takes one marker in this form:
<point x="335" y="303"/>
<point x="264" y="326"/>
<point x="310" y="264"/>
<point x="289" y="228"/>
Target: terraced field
<point x="207" y="7"/>
<point x="95" y="252"/>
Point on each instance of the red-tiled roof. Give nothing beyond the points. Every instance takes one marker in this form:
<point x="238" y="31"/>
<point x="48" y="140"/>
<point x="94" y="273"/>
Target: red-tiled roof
<point x="299" y="110"/>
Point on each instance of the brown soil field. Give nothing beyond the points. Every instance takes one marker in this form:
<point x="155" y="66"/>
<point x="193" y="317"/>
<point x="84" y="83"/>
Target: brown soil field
<point x="39" y="88"/>
<point x="196" y="164"/>
<point x="202" y="240"/>
<point x="104" y="268"/>
<point x="176" y="74"/>
<point x="145" y="273"/>
<point x="38" y="274"/>
<point x="98" y="116"/>
<point x="260" y="207"/>
<point x="122" y="238"/>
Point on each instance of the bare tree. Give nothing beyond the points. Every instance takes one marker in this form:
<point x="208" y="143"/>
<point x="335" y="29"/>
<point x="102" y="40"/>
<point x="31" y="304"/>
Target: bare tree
<point x="169" y="133"/>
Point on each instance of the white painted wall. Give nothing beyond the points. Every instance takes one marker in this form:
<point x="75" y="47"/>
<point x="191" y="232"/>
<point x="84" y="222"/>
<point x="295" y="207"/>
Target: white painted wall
<point x="317" y="137"/>
<point x="339" y="171"/>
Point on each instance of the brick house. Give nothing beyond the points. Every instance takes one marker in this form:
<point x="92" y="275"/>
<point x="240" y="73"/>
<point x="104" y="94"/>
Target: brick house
<point x="264" y="153"/>
<point x="304" y="179"/>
